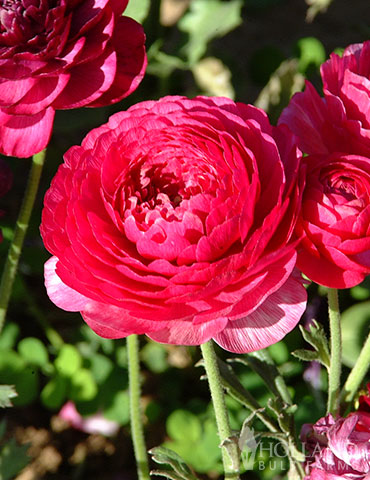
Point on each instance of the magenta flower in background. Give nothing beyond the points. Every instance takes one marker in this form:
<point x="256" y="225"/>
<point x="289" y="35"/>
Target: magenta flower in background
<point x="335" y="132"/>
<point x="338" y="448"/>
<point x="340" y="121"/>
<point x="175" y="219"/>
<point x="61" y="55"/>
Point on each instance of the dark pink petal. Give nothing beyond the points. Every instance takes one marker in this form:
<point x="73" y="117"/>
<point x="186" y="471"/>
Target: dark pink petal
<point x="128" y="41"/>
<point x="40" y="96"/>
<point x="23" y="136"/>
<point x="88" y="82"/>
<point x="306" y="116"/>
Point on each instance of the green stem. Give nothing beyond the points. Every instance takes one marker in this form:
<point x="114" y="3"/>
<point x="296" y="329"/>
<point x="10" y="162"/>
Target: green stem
<point x="11" y="264"/>
<point x="335" y="352"/>
<point x="230" y="453"/>
<point x="357" y="374"/>
<point x="137" y="430"/>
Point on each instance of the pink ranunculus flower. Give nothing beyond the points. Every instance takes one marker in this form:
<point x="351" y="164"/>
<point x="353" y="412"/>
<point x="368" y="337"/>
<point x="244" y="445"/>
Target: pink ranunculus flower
<point x="339" y="121"/>
<point x="175" y="219"/>
<point x="60" y="55"/>
<point x="335" y="132"/>
<point x="338" y="448"/>
<point x="335" y="220"/>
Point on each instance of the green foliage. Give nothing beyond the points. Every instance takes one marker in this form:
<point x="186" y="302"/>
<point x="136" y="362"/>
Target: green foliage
<point x="154" y="356"/>
<point x="138" y="10"/>
<point x="119" y="408"/>
<point x="9" y="336"/>
<point x="355" y="328"/>
<point x="33" y="351"/>
<point x="316" y="337"/>
<point x="13" y="457"/>
<point x="54" y="393"/>
<point x="178" y="469"/>
<point x="186" y="430"/>
<point x="68" y="361"/>
<point x="206" y="20"/>
<point x="311" y="54"/>
<point x="15" y="371"/>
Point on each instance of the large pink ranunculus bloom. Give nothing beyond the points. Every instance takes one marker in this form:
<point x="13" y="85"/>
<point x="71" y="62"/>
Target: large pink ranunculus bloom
<point x="338" y="448"/>
<point x="335" y="132"/>
<point x="175" y="219"/>
<point x="62" y="54"/>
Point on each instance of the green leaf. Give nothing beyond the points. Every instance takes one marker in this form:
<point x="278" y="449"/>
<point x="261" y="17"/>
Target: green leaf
<point x="161" y="64"/>
<point x="306" y="355"/>
<point x="165" y="456"/>
<point x="361" y="292"/>
<point x="208" y="19"/>
<point x="182" y="424"/>
<point x="83" y="386"/>
<point x="6" y="393"/>
<point x="311" y="54"/>
<point x="68" y="361"/>
<point x="137" y="9"/>
<point x="315" y="336"/>
<point x="9" y="336"/>
<point x="262" y="363"/>
<point x="54" y="393"/>
<point x="33" y="351"/>
<point x="119" y="409"/>
<point x="101" y="367"/>
<point x="154" y="356"/>
<point x="13" y="458"/>
<point x="14" y="371"/>
<point x="355" y="323"/>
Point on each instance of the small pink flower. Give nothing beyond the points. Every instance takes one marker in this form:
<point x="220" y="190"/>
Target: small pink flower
<point x="335" y="132"/>
<point x="95" y="423"/>
<point x="175" y="219"/>
<point x="338" y="448"/>
<point x="60" y="55"/>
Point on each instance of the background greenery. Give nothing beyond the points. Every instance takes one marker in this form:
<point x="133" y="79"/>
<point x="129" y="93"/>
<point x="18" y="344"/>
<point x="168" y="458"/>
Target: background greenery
<point x="254" y="51"/>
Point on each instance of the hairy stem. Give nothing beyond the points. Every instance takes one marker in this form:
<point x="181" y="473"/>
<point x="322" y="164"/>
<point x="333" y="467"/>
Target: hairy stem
<point x="230" y="452"/>
<point x="15" y="249"/>
<point x="335" y="352"/>
<point x="357" y="374"/>
<point x="137" y="430"/>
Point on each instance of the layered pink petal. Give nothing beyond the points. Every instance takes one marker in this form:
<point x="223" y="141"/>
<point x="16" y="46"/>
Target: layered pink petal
<point x="276" y="317"/>
<point x="25" y="135"/>
<point x="162" y="222"/>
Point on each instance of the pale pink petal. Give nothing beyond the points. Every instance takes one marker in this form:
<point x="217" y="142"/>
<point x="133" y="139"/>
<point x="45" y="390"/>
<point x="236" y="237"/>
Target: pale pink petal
<point x="63" y="296"/>
<point x="276" y="317"/>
